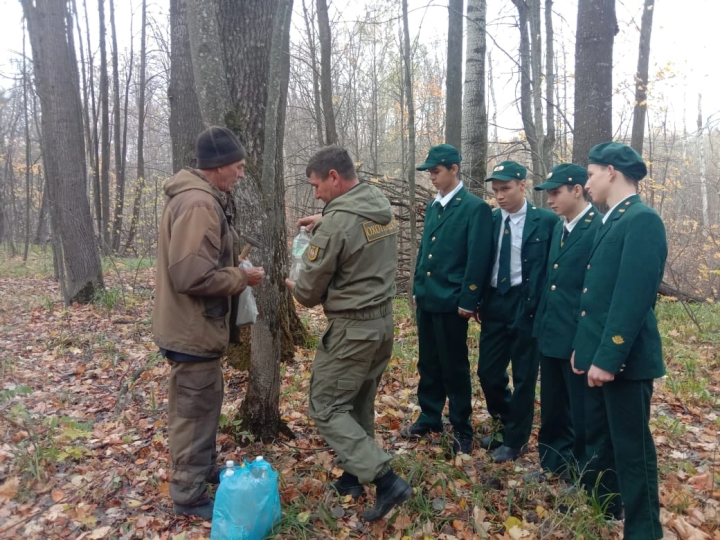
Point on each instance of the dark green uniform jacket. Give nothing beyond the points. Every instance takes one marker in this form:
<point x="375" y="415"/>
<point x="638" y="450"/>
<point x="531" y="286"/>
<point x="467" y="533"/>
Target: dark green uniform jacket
<point x="617" y="329"/>
<point x="537" y="234"/>
<point x="454" y="260"/>
<point x="557" y="315"/>
<point x="351" y="261"/>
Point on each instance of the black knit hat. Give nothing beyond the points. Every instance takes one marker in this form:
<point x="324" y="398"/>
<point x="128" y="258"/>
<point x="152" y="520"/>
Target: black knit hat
<point x="216" y="147"/>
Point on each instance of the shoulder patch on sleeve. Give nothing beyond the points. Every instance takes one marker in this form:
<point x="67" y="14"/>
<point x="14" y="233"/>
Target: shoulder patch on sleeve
<point x="618" y="340"/>
<point x="313" y="252"/>
<point x="374" y="231"/>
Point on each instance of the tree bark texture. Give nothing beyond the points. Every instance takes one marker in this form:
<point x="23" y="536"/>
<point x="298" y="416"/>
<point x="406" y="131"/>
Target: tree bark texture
<point x="207" y="61"/>
<point x="56" y="76"/>
<point x="326" y="90"/>
<point x="641" y="78"/>
<point x="474" y="112"/>
<point x="312" y="49"/>
<point x="185" y="116"/>
<point x="596" y="29"/>
<point x="453" y="80"/>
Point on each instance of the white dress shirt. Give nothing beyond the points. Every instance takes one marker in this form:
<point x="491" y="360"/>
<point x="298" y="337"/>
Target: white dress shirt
<point x="571" y="225"/>
<point x="517" y="224"/>
<point x="447" y="198"/>
<point x="606" y="216"/>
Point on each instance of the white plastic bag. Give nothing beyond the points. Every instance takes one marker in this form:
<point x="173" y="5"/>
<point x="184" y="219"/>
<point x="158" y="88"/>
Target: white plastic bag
<point x="247" y="308"/>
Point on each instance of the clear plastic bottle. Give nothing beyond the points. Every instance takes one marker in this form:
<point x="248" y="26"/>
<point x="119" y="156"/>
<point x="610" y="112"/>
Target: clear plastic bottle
<point x="260" y="468"/>
<point x="300" y="244"/>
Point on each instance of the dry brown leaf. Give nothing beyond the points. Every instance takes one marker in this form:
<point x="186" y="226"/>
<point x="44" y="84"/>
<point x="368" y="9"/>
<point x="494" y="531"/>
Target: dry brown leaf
<point x="9" y="489"/>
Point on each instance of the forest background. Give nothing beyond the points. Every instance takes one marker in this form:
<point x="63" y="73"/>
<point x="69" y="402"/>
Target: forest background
<point x="100" y="102"/>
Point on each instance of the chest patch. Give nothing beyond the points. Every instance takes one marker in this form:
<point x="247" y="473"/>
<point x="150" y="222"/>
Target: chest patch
<point x="374" y="231"/>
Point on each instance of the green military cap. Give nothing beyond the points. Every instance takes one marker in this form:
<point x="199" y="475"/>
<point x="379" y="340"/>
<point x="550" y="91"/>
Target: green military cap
<point x="565" y="174"/>
<point x="508" y="170"/>
<point x="622" y="157"/>
<point x="442" y="154"/>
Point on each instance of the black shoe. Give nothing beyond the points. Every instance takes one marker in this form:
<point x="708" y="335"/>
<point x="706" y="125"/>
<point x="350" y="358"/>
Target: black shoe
<point x="419" y="430"/>
<point x="491" y="442"/>
<point x="348" y="485"/>
<point x="462" y="444"/>
<point x="391" y="492"/>
<point x="506" y="453"/>
<point x="202" y="508"/>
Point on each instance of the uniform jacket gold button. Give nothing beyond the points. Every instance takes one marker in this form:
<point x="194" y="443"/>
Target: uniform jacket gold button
<point x="552" y="288"/>
<point x="588" y="267"/>
<point x="428" y="273"/>
<point x="585" y="290"/>
<point x="430" y="256"/>
<point x="555" y="266"/>
<point x="433" y="238"/>
<point x="582" y="314"/>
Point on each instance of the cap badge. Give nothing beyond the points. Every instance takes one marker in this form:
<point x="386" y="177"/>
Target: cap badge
<point x="549" y="175"/>
<point x="498" y="168"/>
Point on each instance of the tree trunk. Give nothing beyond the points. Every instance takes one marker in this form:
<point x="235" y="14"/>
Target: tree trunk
<point x="260" y="409"/>
<point x="317" y="108"/>
<point x="40" y="234"/>
<point x="207" y="62"/>
<point x="56" y="76"/>
<point x="326" y="72"/>
<point x="185" y="116"/>
<point x="28" y="148"/>
<point x="453" y="80"/>
<point x="474" y="113"/>
<point x="411" y="147"/>
<point x="549" y="145"/>
<point x="140" y="176"/>
<point x="596" y="29"/>
<point x="703" y="178"/>
<point x="104" y="133"/>
<point x="119" y="161"/>
<point x="641" y="78"/>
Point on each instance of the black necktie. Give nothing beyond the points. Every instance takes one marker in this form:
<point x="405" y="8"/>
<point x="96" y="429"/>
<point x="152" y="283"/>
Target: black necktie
<point x="503" y="280"/>
<point x="564" y="235"/>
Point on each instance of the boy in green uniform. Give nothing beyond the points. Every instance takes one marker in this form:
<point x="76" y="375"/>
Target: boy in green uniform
<point x="349" y="267"/>
<point x="618" y="344"/>
<point x="453" y="263"/>
<point x="522" y="234"/>
<point x="561" y="440"/>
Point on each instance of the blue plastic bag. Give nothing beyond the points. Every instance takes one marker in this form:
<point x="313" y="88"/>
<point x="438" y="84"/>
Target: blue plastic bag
<point x="247" y="502"/>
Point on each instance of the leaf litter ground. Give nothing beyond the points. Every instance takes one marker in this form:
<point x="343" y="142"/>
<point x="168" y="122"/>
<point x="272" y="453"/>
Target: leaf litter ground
<point x="83" y="449"/>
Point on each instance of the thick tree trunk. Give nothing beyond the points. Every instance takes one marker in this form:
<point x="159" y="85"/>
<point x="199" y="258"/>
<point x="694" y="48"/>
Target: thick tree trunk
<point x="453" y="80"/>
<point x="641" y="78"/>
<point x="185" y="116"/>
<point x="474" y="113"/>
<point x="56" y="76"/>
<point x="549" y="86"/>
<point x="411" y="147"/>
<point x="326" y="90"/>
<point x="260" y="409"/>
<point x="596" y="29"/>
<point x="104" y="133"/>
<point x="141" y="107"/>
<point x="207" y="61"/>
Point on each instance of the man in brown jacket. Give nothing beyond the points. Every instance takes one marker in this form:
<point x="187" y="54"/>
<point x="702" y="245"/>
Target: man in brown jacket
<point x="196" y="276"/>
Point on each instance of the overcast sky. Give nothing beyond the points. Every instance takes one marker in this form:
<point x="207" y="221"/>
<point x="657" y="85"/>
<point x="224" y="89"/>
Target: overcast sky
<point x="684" y="47"/>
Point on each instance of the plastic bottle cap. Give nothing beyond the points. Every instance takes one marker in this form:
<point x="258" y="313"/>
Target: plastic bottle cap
<point x="303" y="228"/>
<point x="259" y="458"/>
<point x="229" y="463"/>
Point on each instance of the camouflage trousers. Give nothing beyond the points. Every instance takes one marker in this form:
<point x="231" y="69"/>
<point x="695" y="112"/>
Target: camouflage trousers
<point x="349" y="362"/>
<point x="194" y="402"/>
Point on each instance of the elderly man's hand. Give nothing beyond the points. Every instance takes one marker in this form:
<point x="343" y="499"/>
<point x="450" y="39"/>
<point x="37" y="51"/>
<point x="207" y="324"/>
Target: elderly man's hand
<point x="290" y="284"/>
<point x="309" y="221"/>
<point x="255" y="274"/>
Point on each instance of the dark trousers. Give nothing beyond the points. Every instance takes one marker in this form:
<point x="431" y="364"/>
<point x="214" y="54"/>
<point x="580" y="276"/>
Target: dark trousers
<point x="500" y="343"/>
<point x="621" y="454"/>
<point x="561" y="440"/>
<point x="444" y="370"/>
<point x="194" y="402"/>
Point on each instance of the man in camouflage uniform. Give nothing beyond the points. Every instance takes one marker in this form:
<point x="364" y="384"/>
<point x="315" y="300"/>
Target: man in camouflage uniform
<point x="350" y="268"/>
